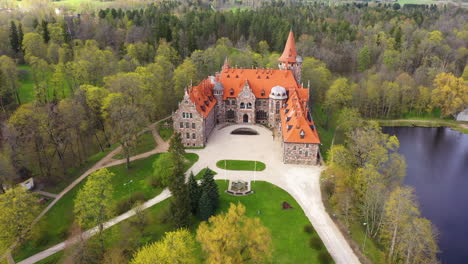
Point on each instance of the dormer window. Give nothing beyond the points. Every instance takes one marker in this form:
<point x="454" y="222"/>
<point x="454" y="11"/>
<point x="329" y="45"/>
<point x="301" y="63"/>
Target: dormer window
<point x="263" y="92"/>
<point x="228" y="76"/>
<point x="210" y="98"/>
<point x="237" y="76"/>
<point x="207" y="103"/>
<point x="288" y="118"/>
<point x="289" y="127"/>
<point x="231" y="91"/>
<point x="302" y="134"/>
<point x="268" y="77"/>
<point x="258" y="77"/>
<point x="203" y="108"/>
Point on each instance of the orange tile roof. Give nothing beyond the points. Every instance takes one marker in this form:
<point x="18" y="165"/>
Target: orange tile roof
<point x="295" y="120"/>
<point x="260" y="81"/>
<point x="289" y="54"/>
<point x="202" y="96"/>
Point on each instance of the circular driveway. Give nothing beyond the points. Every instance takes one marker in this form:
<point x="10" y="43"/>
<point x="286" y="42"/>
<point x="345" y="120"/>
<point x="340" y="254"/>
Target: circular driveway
<point x="301" y="181"/>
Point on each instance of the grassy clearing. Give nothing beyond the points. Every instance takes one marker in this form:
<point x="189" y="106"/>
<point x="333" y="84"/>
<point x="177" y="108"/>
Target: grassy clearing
<point x="74" y="173"/>
<point x="54" y="226"/>
<point x="26" y="85"/>
<point x="241" y="165"/>
<point x="145" y="142"/>
<point x="165" y="130"/>
<point x="426" y="122"/>
<point x="290" y="242"/>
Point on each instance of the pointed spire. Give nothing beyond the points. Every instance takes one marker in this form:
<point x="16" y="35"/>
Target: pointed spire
<point x="289" y="54"/>
<point x="226" y="63"/>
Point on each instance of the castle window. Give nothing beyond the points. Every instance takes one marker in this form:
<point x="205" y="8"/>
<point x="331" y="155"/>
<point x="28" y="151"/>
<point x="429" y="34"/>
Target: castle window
<point x="263" y="92"/>
<point x="261" y="115"/>
<point x="233" y="102"/>
<point x="187" y="135"/>
<point x="277" y="107"/>
<point x="300" y="152"/>
<point x="231" y="91"/>
<point x="289" y="128"/>
<point x="288" y="118"/>
<point x="181" y="124"/>
<point x="193" y="125"/>
<point x="302" y="134"/>
<point x="258" y="77"/>
<point x="228" y="76"/>
<point x="194" y="136"/>
<point x="249" y="105"/>
<point x="187" y="125"/>
<point x="306" y="154"/>
<point x="207" y="103"/>
<point x="294" y="148"/>
<point x="265" y="103"/>
<point x="203" y="108"/>
<point x="190" y="115"/>
<point x="237" y="76"/>
<point x="183" y="115"/>
<point x="227" y="102"/>
<point x="210" y="98"/>
<point x="242" y="105"/>
<point x="268" y="77"/>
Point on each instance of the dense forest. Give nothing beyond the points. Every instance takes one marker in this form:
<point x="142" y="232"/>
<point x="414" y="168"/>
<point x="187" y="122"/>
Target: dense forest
<point x="73" y="84"/>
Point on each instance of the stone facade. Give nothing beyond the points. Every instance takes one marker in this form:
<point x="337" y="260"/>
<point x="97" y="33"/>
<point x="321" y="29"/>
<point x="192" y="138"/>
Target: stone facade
<point x="300" y="153"/>
<point x="247" y="96"/>
<point x="190" y="124"/>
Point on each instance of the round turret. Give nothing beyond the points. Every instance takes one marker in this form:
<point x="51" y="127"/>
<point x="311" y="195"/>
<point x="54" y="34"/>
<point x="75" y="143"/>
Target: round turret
<point x="278" y="93"/>
<point x="218" y="88"/>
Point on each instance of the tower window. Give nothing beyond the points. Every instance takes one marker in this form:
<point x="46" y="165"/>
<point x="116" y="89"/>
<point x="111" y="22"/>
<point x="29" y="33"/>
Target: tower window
<point x="194" y="136"/>
<point x="302" y="134"/>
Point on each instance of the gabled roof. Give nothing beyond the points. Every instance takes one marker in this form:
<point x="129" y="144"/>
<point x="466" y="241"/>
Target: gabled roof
<point x="260" y="81"/>
<point x="202" y="96"/>
<point x="296" y="124"/>
<point x="289" y="54"/>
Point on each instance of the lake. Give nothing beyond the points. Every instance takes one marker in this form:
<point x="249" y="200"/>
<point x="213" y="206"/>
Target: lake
<point x="437" y="160"/>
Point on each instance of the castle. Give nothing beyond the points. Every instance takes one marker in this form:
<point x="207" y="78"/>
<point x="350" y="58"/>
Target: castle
<point x="274" y="98"/>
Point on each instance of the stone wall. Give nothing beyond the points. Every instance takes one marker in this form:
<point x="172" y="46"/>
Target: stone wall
<point x="210" y="123"/>
<point x="300" y="153"/>
<point x="261" y="105"/>
<point x="189" y="123"/>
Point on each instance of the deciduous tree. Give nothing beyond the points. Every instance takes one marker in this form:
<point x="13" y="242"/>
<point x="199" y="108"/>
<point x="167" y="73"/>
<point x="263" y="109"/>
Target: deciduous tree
<point x="248" y="239"/>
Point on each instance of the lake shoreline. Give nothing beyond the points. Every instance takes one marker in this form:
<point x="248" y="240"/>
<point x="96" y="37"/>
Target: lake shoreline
<point x="459" y="126"/>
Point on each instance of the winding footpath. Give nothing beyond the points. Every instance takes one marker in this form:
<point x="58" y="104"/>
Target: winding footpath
<point x="302" y="182"/>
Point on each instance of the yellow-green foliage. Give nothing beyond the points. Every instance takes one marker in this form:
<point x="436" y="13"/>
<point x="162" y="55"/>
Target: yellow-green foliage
<point x="176" y="247"/>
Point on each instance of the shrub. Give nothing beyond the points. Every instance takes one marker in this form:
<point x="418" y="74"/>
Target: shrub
<point x="309" y="229"/>
<point x="127" y="203"/>
<point x="324" y="257"/>
<point x="154" y="182"/>
<point x="315" y="243"/>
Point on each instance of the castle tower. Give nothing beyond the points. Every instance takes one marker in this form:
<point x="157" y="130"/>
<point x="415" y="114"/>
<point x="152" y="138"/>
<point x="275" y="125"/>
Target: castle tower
<point x="289" y="59"/>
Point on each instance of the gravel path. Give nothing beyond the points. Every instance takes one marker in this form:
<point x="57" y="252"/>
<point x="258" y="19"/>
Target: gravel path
<point x="302" y="182"/>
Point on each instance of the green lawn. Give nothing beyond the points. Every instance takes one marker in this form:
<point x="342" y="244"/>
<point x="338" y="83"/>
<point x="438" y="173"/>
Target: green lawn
<point x="145" y="142"/>
<point x="74" y="173"/>
<point x="290" y="242"/>
<point x="26" y="87"/>
<point x="54" y="226"/>
<point x="241" y="165"/>
<point x="165" y="131"/>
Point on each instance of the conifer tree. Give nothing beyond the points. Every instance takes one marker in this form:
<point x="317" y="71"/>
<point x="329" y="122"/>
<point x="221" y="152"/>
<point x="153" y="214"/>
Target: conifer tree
<point x="45" y="31"/>
<point x="180" y="206"/>
<point x="205" y="207"/>
<point x="194" y="193"/>
<point x="210" y="187"/>
<point x="20" y="37"/>
<point x="14" y="41"/>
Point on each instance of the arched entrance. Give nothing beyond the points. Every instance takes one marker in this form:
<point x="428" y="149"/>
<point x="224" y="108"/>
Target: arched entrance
<point x="246" y="118"/>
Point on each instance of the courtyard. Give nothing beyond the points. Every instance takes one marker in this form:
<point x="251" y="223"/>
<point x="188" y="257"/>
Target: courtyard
<point x="300" y="181"/>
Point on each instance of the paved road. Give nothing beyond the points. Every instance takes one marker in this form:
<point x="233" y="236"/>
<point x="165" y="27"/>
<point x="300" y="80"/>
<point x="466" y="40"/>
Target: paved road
<point x="302" y="182"/>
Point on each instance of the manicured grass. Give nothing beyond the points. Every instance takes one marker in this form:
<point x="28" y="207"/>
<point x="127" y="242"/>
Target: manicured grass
<point x="165" y="130"/>
<point x="200" y="174"/>
<point x="74" y="173"/>
<point x="26" y="85"/>
<point x="54" y="226"/>
<point x="290" y="242"/>
<point x="145" y="142"/>
<point x="241" y="165"/>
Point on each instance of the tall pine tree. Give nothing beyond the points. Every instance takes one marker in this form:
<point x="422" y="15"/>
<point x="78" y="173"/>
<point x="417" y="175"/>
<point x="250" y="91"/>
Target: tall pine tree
<point x="180" y="206"/>
<point x="194" y="193"/>
<point x="205" y="207"/>
<point x="45" y="31"/>
<point x="14" y="41"/>
<point x="209" y="186"/>
<point x="20" y="37"/>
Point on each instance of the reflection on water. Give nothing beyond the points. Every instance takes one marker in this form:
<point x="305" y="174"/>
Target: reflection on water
<point x="437" y="160"/>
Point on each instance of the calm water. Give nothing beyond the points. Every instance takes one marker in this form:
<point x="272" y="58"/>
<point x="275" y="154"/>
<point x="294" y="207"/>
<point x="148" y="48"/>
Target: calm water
<point x="437" y="160"/>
